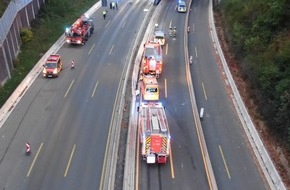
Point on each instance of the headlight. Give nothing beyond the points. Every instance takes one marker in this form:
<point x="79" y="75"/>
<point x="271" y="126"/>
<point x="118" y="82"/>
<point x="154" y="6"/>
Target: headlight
<point x="68" y="41"/>
<point x="44" y="71"/>
<point x="55" y="71"/>
<point x="79" y="41"/>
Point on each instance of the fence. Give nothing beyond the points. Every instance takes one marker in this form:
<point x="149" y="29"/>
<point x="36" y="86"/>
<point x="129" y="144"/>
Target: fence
<point x="18" y="14"/>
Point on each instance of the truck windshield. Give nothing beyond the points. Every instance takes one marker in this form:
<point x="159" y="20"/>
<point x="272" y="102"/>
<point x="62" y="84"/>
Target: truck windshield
<point x="151" y="90"/>
<point x="159" y="37"/>
<point x="50" y="65"/>
<point x="150" y="52"/>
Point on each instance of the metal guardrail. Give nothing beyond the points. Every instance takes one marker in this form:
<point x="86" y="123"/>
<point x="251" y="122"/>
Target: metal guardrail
<point x="9" y="15"/>
<point x="272" y="176"/>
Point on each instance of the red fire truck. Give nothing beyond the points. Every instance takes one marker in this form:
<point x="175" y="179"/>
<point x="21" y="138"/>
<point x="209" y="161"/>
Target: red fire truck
<point x="152" y="59"/>
<point x="80" y="31"/>
<point x="155" y="136"/>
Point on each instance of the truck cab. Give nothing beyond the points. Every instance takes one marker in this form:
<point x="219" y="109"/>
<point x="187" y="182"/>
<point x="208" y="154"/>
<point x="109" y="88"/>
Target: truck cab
<point x="53" y="66"/>
<point x="150" y="89"/>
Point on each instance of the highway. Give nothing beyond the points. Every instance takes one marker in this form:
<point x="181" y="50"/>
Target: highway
<point x="231" y="155"/>
<point x="67" y="120"/>
<point x="185" y="168"/>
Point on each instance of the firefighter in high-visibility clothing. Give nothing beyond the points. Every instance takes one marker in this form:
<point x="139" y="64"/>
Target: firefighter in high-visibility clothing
<point x="104" y="14"/>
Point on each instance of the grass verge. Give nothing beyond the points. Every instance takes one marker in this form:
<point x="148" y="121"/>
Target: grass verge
<point x="46" y="28"/>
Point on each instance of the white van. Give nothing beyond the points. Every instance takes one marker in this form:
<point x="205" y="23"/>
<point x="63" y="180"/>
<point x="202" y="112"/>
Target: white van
<point x="181" y="6"/>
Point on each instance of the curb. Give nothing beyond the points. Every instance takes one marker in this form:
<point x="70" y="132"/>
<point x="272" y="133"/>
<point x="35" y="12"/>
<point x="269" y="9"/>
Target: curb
<point x="272" y="176"/>
<point x="16" y="96"/>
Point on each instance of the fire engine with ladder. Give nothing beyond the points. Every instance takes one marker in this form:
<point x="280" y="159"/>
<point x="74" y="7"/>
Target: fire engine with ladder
<point x="80" y="30"/>
<point x="152" y="59"/>
<point x="155" y="136"/>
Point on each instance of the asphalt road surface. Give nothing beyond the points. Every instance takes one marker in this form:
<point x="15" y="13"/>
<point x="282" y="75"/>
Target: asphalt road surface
<point x="231" y="156"/>
<point x="67" y="119"/>
<point x="185" y="168"/>
<point x="233" y="162"/>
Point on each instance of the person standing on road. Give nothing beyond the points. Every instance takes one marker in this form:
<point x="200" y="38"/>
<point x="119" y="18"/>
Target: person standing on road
<point x="113" y="5"/>
<point x="104" y="14"/>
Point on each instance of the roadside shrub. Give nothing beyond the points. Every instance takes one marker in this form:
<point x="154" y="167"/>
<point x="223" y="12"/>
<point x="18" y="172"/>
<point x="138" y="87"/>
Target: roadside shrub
<point x="26" y="35"/>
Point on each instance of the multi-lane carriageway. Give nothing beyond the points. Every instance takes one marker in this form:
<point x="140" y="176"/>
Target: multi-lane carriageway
<point x="68" y="120"/>
<point x="231" y="158"/>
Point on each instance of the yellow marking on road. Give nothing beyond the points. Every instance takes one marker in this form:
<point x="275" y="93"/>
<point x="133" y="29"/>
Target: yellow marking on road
<point x="137" y="160"/>
<point x="123" y="24"/>
<point x="204" y="92"/>
<point x="69" y="161"/>
<point x="96" y="85"/>
<point x="201" y="147"/>
<point x="166" y="49"/>
<point x="171" y="164"/>
<point x="91" y="49"/>
<point x="34" y="160"/>
<point x="69" y="88"/>
<point x="107" y="24"/>
<point x="224" y="160"/>
<point x="195" y="52"/>
<point x="111" y="49"/>
<point x="165" y="81"/>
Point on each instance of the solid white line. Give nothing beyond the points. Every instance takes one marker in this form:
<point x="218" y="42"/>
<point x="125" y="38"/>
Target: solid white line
<point x="69" y="88"/>
<point x="195" y="52"/>
<point x="91" y="49"/>
<point x="111" y="49"/>
<point x="225" y="163"/>
<point x="166" y="50"/>
<point x="107" y="24"/>
<point x="33" y="162"/>
<point x="69" y="161"/>
<point x="124" y="24"/>
<point x="204" y="92"/>
<point x="165" y="88"/>
<point x="93" y="94"/>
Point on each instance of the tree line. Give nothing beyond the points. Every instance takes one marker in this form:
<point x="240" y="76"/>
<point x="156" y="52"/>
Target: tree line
<point x="258" y="32"/>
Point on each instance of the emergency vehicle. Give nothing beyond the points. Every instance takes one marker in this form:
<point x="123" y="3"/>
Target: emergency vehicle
<point x="150" y="89"/>
<point x="159" y="37"/>
<point x="154" y="130"/>
<point x="80" y="31"/>
<point x="53" y="66"/>
<point x="181" y="6"/>
<point x="152" y="59"/>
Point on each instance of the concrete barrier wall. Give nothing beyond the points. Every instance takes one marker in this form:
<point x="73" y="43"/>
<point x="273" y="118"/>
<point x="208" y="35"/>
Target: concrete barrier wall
<point x="18" y="14"/>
